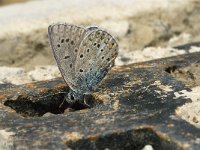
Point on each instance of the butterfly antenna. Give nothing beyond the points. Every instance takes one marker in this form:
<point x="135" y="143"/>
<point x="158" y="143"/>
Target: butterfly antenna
<point x="62" y="103"/>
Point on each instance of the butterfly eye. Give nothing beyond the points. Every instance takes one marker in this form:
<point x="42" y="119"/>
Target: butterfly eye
<point x="72" y="42"/>
<point x="108" y="59"/>
<point x="98" y="45"/>
<point x="88" y="50"/>
<point x="101" y="50"/>
<point x="58" y="45"/>
<point x="95" y="44"/>
<point x="76" y="50"/>
<point x="70" y="65"/>
<point x="81" y="56"/>
<point x="71" y="97"/>
<point x="102" y="57"/>
<point x="81" y="70"/>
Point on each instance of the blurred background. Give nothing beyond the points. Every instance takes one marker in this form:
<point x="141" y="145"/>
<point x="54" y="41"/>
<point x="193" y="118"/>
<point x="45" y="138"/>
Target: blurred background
<point x="7" y="2"/>
<point x="145" y="29"/>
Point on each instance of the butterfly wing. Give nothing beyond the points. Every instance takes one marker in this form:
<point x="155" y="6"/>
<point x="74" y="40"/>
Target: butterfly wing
<point x="95" y="58"/>
<point x="65" y="40"/>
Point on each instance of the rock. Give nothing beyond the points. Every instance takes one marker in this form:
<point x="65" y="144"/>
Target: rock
<point x="41" y="73"/>
<point x="148" y="147"/>
<point x="48" y="114"/>
<point x="180" y="39"/>
<point x="139" y="112"/>
<point x="190" y="111"/>
<point x="19" y="76"/>
<point x="151" y="53"/>
<point x="12" y="75"/>
<point x="117" y="28"/>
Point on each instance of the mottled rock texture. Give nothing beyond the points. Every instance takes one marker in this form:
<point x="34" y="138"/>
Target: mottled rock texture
<point x="135" y="106"/>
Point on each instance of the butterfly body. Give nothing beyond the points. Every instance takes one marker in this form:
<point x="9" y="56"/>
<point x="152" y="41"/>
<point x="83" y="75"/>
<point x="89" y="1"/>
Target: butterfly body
<point x="84" y="56"/>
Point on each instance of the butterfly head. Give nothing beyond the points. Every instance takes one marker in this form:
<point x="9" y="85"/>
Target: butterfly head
<point x="78" y="97"/>
<point x="74" y="96"/>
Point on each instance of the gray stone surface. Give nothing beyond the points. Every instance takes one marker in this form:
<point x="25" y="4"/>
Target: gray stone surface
<point x="135" y="106"/>
<point x="17" y="76"/>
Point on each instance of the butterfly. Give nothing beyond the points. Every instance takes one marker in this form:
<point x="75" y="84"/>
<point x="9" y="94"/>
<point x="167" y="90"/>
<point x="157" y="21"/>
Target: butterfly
<point x="83" y="55"/>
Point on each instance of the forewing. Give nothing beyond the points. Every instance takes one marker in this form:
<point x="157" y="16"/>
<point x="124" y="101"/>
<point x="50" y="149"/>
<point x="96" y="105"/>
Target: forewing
<point x="95" y="58"/>
<point x="65" y="40"/>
